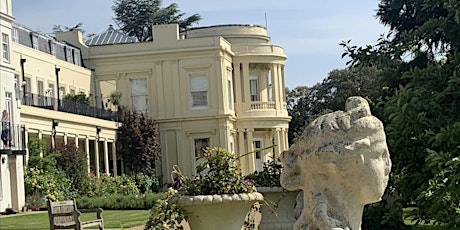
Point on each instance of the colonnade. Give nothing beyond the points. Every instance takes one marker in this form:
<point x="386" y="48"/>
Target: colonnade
<point x="271" y="83"/>
<point x="108" y="147"/>
<point x="246" y="137"/>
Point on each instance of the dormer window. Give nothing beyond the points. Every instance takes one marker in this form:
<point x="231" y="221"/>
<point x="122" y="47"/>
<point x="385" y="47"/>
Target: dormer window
<point x="68" y="54"/>
<point x="35" y="41"/>
<point x="77" y="57"/>
<point x="52" y="47"/>
<point x="15" y="35"/>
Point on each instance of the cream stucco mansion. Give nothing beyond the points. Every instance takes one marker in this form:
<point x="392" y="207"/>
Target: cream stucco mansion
<point x="208" y="86"/>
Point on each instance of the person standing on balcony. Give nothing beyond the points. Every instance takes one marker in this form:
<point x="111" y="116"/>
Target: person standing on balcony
<point x="5" y="128"/>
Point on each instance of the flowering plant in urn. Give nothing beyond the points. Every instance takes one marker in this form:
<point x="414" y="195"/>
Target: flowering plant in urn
<point x="218" y="195"/>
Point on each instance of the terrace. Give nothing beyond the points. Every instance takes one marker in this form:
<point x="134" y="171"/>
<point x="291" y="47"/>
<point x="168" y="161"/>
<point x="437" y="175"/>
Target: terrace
<point x="69" y="106"/>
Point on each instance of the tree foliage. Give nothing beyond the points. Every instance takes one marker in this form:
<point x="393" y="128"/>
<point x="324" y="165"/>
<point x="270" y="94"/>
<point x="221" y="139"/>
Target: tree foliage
<point x="78" y="98"/>
<point x="136" y="17"/>
<point x="61" y="28"/>
<point x="137" y="142"/>
<point x="73" y="162"/>
<point x="420" y="58"/>
<point x="307" y="103"/>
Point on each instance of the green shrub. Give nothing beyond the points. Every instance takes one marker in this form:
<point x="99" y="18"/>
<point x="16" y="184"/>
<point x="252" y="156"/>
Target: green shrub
<point x="120" y="202"/>
<point x="166" y="214"/>
<point x="54" y="185"/>
<point x="42" y="179"/>
<point x="147" y="184"/>
<point x="106" y="186"/>
<point x="269" y="176"/>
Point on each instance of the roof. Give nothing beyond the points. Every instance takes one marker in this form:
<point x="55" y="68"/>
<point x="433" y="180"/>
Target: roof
<point x="109" y="37"/>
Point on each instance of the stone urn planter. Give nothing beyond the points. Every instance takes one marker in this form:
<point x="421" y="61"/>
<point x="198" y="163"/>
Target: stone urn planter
<point x="211" y="212"/>
<point x="278" y="208"/>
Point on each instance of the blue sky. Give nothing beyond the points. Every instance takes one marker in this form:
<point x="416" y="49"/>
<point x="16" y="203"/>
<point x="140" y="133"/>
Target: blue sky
<point x="309" y="31"/>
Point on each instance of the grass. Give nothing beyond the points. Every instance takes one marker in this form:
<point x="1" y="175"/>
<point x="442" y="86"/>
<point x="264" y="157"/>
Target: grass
<point x="39" y="220"/>
<point x="118" y="219"/>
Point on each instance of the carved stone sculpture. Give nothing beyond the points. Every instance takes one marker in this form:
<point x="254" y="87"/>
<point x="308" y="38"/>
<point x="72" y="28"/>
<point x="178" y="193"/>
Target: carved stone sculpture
<point x="341" y="162"/>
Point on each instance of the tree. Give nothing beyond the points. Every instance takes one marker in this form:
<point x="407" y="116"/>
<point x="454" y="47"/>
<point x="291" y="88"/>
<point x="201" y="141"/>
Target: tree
<point x="420" y="57"/>
<point x="73" y="162"/>
<point x="307" y="103"/>
<point x="60" y="28"/>
<point x="136" y="17"/>
<point x="137" y="142"/>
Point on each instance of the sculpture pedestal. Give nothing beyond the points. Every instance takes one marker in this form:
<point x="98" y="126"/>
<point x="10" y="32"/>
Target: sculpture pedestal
<point x="278" y="209"/>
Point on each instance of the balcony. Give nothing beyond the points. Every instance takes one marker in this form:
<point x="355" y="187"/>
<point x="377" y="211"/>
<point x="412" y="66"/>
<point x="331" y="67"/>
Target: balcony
<point x="262" y="105"/>
<point x="68" y="106"/>
<point x="16" y="140"/>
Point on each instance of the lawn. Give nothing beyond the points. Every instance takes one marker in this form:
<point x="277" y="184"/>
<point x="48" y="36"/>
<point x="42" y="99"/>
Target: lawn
<point x="39" y="220"/>
<point x="113" y="219"/>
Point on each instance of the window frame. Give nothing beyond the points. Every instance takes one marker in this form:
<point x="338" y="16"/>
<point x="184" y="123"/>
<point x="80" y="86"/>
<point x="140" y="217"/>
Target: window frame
<point x="199" y="93"/>
<point x="52" y="47"/>
<point x="140" y="94"/>
<point x="6" y="56"/>
<point x="198" y="152"/>
<point x="231" y="105"/>
<point x="254" y="96"/>
<point x="257" y="151"/>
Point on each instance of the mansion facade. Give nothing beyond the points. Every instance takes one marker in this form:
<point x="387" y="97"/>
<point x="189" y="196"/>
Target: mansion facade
<point x="210" y="86"/>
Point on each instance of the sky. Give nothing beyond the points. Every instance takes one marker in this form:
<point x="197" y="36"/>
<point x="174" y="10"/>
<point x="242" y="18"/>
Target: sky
<point x="309" y="31"/>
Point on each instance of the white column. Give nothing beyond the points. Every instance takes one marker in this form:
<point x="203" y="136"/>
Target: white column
<point x="245" y="79"/>
<point x="238" y="87"/>
<point x="76" y="141"/>
<point x="96" y="158"/>
<point x="264" y="94"/>
<point x="241" y="148"/>
<point x="114" y="158"/>
<point x="277" y="142"/>
<point x="250" y="146"/>
<point x="106" y="157"/>
<point x="26" y="140"/>
<point x="284" y="136"/>
<point x="287" y="139"/>
<point x="282" y="86"/>
<point x="65" y="138"/>
<point x="282" y="139"/>
<point x="53" y="136"/>
<point x="87" y="154"/>
<point x="40" y="137"/>
<point x="267" y="142"/>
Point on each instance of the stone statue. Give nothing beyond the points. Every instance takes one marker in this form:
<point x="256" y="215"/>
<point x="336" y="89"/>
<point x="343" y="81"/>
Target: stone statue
<point x="341" y="162"/>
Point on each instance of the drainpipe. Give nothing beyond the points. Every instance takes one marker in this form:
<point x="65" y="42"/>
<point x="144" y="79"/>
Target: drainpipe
<point x="23" y="60"/>
<point x="57" y="69"/>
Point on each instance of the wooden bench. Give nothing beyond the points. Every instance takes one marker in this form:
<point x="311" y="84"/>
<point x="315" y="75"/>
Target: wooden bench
<point x="65" y="215"/>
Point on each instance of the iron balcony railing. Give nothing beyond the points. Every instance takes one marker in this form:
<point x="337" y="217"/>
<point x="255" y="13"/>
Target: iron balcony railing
<point x="15" y="137"/>
<point x="69" y="106"/>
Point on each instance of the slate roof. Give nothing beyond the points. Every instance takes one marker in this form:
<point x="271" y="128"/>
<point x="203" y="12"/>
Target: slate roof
<point x="109" y="37"/>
